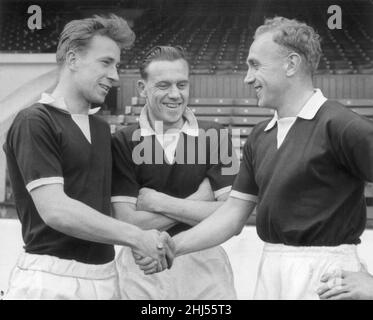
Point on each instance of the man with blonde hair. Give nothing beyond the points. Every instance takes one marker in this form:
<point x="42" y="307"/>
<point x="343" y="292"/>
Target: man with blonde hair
<point x="304" y="170"/>
<point x="59" y="159"/>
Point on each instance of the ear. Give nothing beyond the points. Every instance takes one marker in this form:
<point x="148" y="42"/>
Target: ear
<point x="71" y="60"/>
<point x="294" y="61"/>
<point x="141" y="88"/>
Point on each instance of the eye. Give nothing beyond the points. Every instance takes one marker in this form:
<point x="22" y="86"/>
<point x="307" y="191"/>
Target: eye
<point x="182" y="85"/>
<point x="255" y="65"/>
<point x="162" y="86"/>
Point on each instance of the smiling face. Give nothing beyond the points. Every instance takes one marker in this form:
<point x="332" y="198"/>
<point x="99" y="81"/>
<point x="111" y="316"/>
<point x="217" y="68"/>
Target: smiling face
<point x="96" y="69"/>
<point x="267" y="71"/>
<point x="166" y="90"/>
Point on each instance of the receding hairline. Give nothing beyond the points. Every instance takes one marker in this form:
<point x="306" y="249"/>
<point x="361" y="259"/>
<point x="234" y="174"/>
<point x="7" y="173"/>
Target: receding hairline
<point x="269" y="38"/>
<point x="164" y="59"/>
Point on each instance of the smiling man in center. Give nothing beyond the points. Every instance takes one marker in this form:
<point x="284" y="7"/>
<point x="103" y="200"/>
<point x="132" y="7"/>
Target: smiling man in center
<point x="175" y="194"/>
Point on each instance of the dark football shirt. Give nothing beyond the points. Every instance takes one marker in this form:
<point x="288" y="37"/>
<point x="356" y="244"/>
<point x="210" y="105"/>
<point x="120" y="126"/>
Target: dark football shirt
<point x="180" y="179"/>
<point x="45" y="143"/>
<point x="311" y="190"/>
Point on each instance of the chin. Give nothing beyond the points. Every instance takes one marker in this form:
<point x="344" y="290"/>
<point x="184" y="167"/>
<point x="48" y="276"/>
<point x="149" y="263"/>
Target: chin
<point x="98" y="100"/>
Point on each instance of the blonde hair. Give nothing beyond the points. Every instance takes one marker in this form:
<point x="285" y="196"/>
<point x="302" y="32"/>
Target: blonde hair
<point x="77" y="34"/>
<point x="294" y="36"/>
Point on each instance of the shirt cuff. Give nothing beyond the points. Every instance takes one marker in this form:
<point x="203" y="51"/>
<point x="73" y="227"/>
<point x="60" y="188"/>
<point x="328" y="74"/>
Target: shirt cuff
<point x="221" y="191"/>
<point x="244" y="196"/>
<point x="43" y="181"/>
<point x="126" y="199"/>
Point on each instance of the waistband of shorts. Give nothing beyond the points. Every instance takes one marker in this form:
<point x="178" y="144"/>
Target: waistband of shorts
<point x="344" y="249"/>
<point x="65" y="267"/>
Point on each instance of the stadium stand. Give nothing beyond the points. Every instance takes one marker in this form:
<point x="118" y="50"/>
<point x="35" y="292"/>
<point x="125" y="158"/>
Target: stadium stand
<point x="216" y="34"/>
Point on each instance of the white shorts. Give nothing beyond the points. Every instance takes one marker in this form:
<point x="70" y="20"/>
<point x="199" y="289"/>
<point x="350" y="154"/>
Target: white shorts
<point x="200" y="275"/>
<point x="294" y="273"/>
<point x="45" y="277"/>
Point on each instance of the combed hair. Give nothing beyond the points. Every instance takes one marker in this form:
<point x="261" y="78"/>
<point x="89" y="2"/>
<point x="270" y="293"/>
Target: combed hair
<point x="77" y="34"/>
<point x="295" y="36"/>
<point x="161" y="53"/>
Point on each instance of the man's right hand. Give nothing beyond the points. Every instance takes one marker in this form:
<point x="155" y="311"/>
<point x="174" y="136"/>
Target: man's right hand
<point x="155" y="252"/>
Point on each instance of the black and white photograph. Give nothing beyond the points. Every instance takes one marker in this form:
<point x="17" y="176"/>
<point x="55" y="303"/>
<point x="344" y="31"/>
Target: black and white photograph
<point x="189" y="150"/>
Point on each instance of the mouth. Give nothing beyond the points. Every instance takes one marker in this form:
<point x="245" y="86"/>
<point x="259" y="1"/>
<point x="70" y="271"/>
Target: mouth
<point x="104" y="87"/>
<point x="257" y="88"/>
<point x="172" y="105"/>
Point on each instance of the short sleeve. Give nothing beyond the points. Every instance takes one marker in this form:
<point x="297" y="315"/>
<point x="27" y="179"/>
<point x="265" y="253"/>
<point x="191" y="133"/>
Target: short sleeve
<point x="244" y="186"/>
<point x="356" y="148"/>
<point x="125" y="187"/>
<point x="223" y="162"/>
<point x="35" y="146"/>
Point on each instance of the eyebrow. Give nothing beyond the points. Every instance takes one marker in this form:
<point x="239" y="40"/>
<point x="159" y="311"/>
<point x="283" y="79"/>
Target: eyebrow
<point x="111" y="59"/>
<point x="168" y="82"/>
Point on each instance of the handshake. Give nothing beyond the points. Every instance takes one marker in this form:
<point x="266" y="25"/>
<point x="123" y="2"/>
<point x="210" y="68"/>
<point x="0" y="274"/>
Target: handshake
<point x="155" y="251"/>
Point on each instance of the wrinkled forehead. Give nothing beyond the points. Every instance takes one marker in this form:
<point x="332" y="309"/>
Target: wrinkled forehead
<point x="264" y="47"/>
<point x="166" y="70"/>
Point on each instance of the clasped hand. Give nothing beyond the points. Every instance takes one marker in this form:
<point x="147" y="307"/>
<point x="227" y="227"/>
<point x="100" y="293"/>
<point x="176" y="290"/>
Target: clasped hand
<point x="155" y="253"/>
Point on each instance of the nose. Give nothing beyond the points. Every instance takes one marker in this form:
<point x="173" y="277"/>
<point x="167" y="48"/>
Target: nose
<point x="113" y="73"/>
<point x="174" y="92"/>
<point x="249" y="79"/>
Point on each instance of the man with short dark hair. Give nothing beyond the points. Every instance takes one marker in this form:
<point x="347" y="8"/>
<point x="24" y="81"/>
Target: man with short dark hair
<point x="304" y="169"/>
<point x="170" y="172"/>
<point x="59" y="160"/>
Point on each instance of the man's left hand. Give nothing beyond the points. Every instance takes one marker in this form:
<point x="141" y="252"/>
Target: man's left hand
<point x="350" y="286"/>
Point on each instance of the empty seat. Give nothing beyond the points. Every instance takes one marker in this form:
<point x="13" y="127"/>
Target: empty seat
<point x="210" y="101"/>
<point x="226" y="111"/>
<point x="136" y="110"/>
<point x="246" y="102"/>
<point x="252" y="111"/>
<point x="357" y="102"/>
<point x="131" y="119"/>
<point x="240" y="131"/>
<point x="249" y="121"/>
<point x="219" y="119"/>
<point x="137" y="101"/>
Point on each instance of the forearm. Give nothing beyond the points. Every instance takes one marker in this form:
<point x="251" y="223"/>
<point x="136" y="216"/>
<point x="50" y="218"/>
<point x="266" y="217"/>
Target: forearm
<point x="188" y="211"/>
<point x="145" y="220"/>
<point x="226" y="222"/>
<point x="76" y="219"/>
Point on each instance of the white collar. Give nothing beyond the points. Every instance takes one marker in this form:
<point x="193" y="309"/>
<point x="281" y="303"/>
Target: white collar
<point x="59" y="103"/>
<point x="308" y="111"/>
<point x="190" y="126"/>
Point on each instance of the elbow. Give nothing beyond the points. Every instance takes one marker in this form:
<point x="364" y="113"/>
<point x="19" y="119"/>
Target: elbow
<point x="240" y="224"/>
<point x="53" y="216"/>
<point x="239" y="229"/>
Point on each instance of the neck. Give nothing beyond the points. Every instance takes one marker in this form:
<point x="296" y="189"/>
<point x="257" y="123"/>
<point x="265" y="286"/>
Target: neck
<point x="295" y="99"/>
<point x="75" y="103"/>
